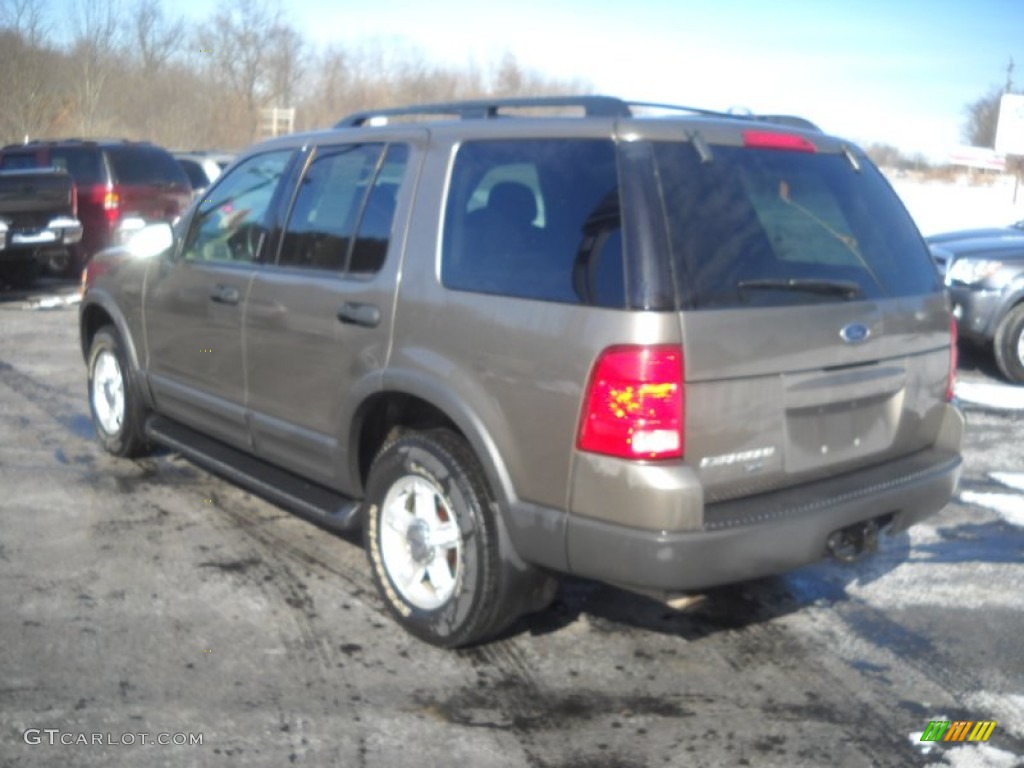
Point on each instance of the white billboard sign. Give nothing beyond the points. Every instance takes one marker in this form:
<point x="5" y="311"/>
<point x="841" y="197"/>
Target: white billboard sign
<point x="978" y="157"/>
<point x="1010" y="128"/>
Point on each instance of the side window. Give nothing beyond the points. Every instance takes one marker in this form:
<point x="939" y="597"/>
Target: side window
<point x="196" y="178"/>
<point x="229" y="224"/>
<point x="344" y="208"/>
<point x="536" y="218"/>
<point x="374" y="233"/>
<point x="144" y="166"/>
<point x="84" y="164"/>
<point x="18" y="162"/>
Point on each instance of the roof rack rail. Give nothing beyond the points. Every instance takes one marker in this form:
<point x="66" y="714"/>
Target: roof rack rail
<point x="593" y="106"/>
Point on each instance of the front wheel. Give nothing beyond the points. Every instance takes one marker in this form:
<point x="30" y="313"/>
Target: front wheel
<point x="117" y="411"/>
<point x="1009" y="345"/>
<point x="432" y="540"/>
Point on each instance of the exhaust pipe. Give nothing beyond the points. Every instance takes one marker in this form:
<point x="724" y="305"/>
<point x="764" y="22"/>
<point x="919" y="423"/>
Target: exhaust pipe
<point x="847" y="545"/>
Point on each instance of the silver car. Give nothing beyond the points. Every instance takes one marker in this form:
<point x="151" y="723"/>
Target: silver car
<point x="984" y="272"/>
<point x="202" y="168"/>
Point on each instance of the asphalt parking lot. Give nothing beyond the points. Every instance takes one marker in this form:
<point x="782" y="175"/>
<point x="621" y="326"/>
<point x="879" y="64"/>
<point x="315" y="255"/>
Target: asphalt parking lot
<point x="152" y="598"/>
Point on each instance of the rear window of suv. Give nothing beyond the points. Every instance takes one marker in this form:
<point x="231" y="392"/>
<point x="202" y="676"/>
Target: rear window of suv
<point x="83" y="164"/>
<point x="768" y="227"/>
<point x="144" y="165"/>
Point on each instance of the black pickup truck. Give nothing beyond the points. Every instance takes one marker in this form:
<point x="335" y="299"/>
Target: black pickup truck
<point x="38" y="224"/>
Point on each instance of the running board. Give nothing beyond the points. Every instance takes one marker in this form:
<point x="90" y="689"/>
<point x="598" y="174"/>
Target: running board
<point x="272" y="483"/>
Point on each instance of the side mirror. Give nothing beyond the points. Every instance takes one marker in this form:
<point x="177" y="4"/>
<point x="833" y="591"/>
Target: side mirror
<point x="151" y="240"/>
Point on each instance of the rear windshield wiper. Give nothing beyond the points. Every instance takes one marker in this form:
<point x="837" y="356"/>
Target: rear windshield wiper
<point x="843" y="288"/>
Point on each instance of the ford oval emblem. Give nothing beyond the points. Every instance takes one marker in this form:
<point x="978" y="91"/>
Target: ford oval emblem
<point x="855" y="333"/>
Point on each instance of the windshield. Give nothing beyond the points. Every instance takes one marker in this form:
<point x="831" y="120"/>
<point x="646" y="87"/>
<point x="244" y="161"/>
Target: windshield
<point x="768" y="227"/>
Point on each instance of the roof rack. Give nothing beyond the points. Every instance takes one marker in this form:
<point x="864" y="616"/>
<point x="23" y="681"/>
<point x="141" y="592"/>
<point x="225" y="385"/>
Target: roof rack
<point x="75" y="140"/>
<point x="593" y="106"/>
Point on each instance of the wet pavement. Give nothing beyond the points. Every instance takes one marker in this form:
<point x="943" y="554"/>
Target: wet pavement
<point x="152" y="598"/>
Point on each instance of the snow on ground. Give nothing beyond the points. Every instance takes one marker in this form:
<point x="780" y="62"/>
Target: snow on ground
<point x="977" y="756"/>
<point x="1009" y="506"/>
<point x="1007" y="709"/>
<point x="56" y="302"/>
<point x="942" y="206"/>
<point x="1009" y="479"/>
<point x="1002" y="397"/>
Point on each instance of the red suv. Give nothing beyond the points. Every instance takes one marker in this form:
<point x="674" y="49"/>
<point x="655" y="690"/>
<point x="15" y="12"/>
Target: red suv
<point x="122" y="185"/>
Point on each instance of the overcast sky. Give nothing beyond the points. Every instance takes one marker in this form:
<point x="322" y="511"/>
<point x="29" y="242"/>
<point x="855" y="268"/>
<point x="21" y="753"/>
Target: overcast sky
<point x="896" y="71"/>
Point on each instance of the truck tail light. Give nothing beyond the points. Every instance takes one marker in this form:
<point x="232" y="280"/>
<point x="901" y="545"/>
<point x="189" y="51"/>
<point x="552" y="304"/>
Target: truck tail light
<point x="634" y="405"/>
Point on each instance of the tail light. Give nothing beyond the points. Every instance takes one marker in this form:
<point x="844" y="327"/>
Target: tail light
<point x="111" y="205"/>
<point x="108" y="199"/>
<point x="634" y="404"/>
<point x="953" y="359"/>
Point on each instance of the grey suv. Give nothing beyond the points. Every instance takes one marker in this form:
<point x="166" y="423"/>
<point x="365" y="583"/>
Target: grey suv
<point x="984" y="271"/>
<point x="666" y="352"/>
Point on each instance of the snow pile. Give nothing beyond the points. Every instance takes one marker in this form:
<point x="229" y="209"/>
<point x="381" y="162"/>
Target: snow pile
<point x="1010" y="480"/>
<point x="1009" y="506"/>
<point x="939" y="206"/>
<point x="56" y="302"/>
<point x="976" y="756"/>
<point x="1000" y="397"/>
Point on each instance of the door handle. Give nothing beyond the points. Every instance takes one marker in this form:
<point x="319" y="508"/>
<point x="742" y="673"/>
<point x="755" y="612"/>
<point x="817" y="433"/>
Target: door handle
<point x="225" y="294"/>
<point x="355" y="313"/>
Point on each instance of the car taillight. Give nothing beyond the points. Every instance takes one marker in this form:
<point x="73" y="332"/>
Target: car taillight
<point x="111" y="205"/>
<point x="777" y="140"/>
<point x="108" y="200"/>
<point x="634" y="404"/>
<point x="953" y="359"/>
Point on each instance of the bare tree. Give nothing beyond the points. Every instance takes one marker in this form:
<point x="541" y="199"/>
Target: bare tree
<point x="256" y="55"/>
<point x="982" y="117"/>
<point x="145" y="74"/>
<point x="155" y="39"/>
<point x="33" y="82"/>
<point x="286" y="62"/>
<point x="97" y="40"/>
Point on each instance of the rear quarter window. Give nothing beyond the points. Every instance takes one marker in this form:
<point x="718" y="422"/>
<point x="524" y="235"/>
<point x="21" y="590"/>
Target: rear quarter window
<point x="18" y="162"/>
<point x="83" y="164"/>
<point x="145" y="165"/>
<point x="771" y="227"/>
<point x="535" y="218"/>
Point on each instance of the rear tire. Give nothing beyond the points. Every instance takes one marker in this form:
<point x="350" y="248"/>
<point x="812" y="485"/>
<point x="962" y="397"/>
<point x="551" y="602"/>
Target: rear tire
<point x="116" y="408"/>
<point x="432" y="538"/>
<point x="1009" y="345"/>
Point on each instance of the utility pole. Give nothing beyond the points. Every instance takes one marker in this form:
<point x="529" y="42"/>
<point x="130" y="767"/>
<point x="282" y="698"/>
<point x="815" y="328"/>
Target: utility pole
<point x="1009" y="76"/>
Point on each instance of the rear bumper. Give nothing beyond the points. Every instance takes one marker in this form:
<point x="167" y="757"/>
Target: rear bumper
<point x="60" y="231"/>
<point x="766" y="534"/>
